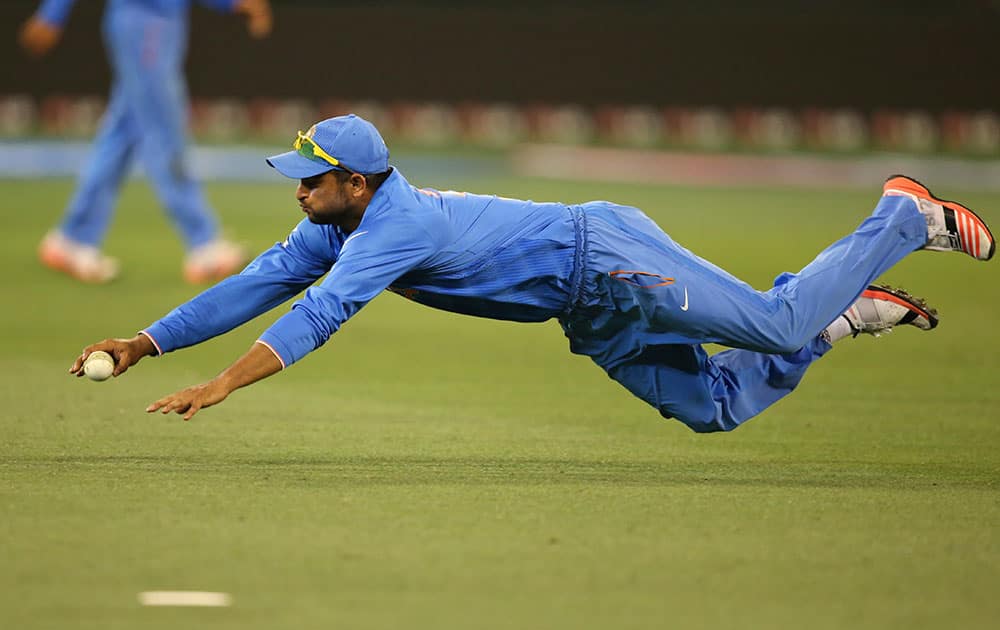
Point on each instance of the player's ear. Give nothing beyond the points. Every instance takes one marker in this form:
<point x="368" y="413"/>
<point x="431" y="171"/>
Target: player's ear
<point x="358" y="182"/>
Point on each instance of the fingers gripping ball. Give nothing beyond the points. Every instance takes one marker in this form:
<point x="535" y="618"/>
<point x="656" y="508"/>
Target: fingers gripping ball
<point x="99" y="366"/>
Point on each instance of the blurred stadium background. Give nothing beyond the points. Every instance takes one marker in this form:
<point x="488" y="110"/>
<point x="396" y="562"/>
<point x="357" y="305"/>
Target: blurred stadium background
<point x="845" y="80"/>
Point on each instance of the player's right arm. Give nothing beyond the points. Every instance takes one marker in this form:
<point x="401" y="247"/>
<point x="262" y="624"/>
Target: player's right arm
<point x="273" y="277"/>
<point x="42" y="31"/>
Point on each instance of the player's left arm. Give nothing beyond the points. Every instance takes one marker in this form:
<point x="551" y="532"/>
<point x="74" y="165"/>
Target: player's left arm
<point x="259" y="362"/>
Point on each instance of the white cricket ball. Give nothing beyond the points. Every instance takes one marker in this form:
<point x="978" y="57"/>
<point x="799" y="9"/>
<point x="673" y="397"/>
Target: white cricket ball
<point x="99" y="366"/>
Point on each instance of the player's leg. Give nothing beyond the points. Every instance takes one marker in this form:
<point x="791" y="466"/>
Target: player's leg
<point x="838" y="275"/>
<point x="148" y="52"/>
<point x="153" y="65"/>
<point x="907" y="217"/>
<point x="92" y="206"/>
<point x="721" y="392"/>
<point x="717" y="393"/>
<point x="74" y="246"/>
<point x="686" y="299"/>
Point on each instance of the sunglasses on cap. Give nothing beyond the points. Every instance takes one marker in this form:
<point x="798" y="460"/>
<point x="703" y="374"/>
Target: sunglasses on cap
<point x="307" y="148"/>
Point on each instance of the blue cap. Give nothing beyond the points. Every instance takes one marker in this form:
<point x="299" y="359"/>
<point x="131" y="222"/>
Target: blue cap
<point x="350" y="140"/>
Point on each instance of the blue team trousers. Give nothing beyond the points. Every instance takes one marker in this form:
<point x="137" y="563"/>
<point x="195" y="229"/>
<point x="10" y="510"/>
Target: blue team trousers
<point x="146" y="118"/>
<point x="647" y="304"/>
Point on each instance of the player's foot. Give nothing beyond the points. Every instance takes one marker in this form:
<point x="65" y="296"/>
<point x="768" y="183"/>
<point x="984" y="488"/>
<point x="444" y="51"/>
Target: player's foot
<point x="86" y="263"/>
<point x="951" y="227"/>
<point x="214" y="261"/>
<point x="880" y="308"/>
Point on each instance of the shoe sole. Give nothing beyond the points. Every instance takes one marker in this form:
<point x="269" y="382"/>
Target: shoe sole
<point x="964" y="222"/>
<point x="917" y="307"/>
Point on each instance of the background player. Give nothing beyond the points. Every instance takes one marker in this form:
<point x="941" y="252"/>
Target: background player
<point x="146" y="118"/>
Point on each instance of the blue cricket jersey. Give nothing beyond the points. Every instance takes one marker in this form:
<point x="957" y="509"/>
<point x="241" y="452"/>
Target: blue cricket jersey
<point x="57" y="11"/>
<point x="474" y="254"/>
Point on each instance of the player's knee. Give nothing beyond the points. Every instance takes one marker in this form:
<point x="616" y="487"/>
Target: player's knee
<point x="786" y="348"/>
<point x="783" y="332"/>
<point x="785" y="342"/>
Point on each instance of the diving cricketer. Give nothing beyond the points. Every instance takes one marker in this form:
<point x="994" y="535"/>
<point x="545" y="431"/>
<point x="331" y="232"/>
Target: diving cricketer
<point x="625" y="293"/>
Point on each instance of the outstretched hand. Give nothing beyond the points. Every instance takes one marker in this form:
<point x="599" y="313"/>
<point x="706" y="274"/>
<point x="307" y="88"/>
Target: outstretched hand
<point x="38" y="36"/>
<point x="259" y="362"/>
<point x="258" y="13"/>
<point x="125" y="352"/>
<point x="191" y="400"/>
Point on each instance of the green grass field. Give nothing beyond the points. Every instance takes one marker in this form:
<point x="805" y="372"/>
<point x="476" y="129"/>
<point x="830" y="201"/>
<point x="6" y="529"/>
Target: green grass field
<point x="427" y="470"/>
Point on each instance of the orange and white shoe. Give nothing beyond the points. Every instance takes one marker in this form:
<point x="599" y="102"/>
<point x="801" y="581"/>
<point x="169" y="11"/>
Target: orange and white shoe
<point x="951" y="227"/>
<point x="882" y="307"/>
<point x="214" y="261"/>
<point x="86" y="263"/>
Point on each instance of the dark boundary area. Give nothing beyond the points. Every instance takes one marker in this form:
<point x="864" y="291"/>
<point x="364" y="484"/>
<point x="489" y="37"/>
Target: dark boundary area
<point x="776" y="53"/>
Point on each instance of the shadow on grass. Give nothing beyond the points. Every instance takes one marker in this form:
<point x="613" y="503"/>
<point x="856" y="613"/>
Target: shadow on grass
<point x="415" y="471"/>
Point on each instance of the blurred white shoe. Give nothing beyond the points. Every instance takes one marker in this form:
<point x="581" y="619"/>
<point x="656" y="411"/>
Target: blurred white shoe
<point x="214" y="261"/>
<point x="86" y="263"/>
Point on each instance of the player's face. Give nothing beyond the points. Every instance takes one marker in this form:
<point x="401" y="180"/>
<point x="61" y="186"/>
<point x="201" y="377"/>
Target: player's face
<point x="327" y="200"/>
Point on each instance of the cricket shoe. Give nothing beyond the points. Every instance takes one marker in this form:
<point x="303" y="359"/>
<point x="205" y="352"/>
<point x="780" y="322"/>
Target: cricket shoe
<point x="86" y="263"/>
<point x="214" y="261"/>
<point x="951" y="227"/>
<point x="881" y="307"/>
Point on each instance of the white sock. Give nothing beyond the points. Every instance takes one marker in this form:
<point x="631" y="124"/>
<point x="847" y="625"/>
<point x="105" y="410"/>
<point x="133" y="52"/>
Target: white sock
<point x="839" y="329"/>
